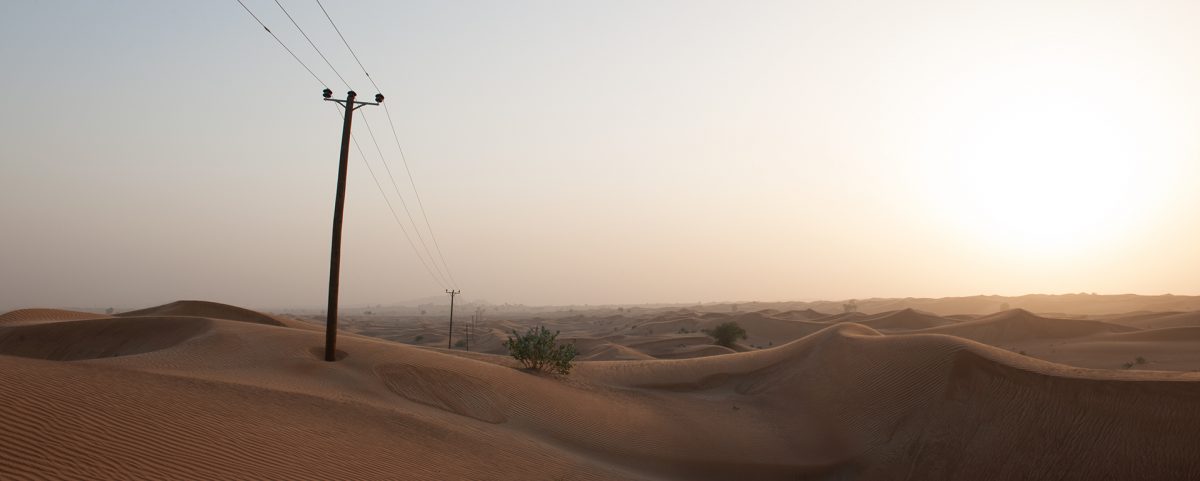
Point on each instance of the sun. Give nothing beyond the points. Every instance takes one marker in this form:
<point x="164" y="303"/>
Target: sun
<point x="1046" y="178"/>
<point x="1045" y="174"/>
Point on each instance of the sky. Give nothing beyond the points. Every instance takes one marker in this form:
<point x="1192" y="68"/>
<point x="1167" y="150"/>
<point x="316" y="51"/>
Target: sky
<point x="613" y="152"/>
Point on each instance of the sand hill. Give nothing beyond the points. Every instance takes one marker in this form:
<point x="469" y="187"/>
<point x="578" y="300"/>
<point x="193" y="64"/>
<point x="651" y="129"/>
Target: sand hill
<point x="188" y="395"/>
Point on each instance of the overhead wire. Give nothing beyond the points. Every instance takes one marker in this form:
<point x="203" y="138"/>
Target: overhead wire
<point x="442" y="271"/>
<point x="436" y="278"/>
<point x="403" y="203"/>
<point x="310" y="42"/>
<point x="396" y="137"/>
<point x="281" y="44"/>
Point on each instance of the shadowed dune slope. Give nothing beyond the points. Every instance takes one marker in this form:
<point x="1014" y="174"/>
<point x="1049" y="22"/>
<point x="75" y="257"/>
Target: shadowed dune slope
<point x="212" y="310"/>
<point x="696" y="350"/>
<point x="41" y="315"/>
<point x="804" y="315"/>
<point x="1163" y="320"/>
<point x="98" y="338"/>
<point x="761" y="329"/>
<point x="246" y="400"/>
<point x="904" y="319"/>
<point x="1166" y="334"/>
<point x="1019" y="325"/>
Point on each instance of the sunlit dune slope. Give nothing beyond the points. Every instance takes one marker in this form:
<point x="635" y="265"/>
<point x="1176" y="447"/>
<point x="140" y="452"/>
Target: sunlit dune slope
<point x="232" y="399"/>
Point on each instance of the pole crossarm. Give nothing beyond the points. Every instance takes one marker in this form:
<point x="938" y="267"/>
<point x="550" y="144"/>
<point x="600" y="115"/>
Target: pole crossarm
<point x="356" y="103"/>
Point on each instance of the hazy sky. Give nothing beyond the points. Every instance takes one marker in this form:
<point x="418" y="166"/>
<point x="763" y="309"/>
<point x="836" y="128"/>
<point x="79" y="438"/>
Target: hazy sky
<point x="603" y="152"/>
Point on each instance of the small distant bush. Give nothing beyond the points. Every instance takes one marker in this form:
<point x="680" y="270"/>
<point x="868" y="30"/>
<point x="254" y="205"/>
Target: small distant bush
<point x="1140" y="360"/>
<point x="419" y="338"/>
<point x="539" y="350"/>
<point x="460" y="343"/>
<point x="726" y="334"/>
<point x="1127" y="365"/>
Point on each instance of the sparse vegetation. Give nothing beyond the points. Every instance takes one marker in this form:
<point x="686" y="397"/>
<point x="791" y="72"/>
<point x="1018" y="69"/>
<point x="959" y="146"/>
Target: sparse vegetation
<point x="460" y="343"/>
<point x="1127" y="365"/>
<point x="539" y="350"/>
<point x="1140" y="360"/>
<point x="419" y="338"/>
<point x="726" y="333"/>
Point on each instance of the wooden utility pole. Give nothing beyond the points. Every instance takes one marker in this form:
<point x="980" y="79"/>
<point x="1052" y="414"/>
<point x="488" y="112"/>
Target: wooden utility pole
<point x="450" y="338"/>
<point x="335" y="252"/>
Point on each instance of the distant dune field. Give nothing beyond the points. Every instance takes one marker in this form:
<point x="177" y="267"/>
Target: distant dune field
<point x="198" y="390"/>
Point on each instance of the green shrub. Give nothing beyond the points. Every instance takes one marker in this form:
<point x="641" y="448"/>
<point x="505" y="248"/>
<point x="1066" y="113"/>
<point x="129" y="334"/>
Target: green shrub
<point x="419" y="338"/>
<point x="538" y="350"/>
<point x="726" y="334"/>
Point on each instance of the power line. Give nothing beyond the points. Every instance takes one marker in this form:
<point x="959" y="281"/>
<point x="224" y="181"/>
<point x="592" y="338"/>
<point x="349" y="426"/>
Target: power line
<point x="403" y="203"/>
<point x="441" y="283"/>
<point x="281" y="44"/>
<point x="314" y="46"/>
<point x="417" y="194"/>
<point x="396" y="137"/>
<point x="347" y="44"/>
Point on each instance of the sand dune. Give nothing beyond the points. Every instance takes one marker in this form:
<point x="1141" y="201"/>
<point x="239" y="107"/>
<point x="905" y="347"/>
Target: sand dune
<point x="193" y="397"/>
<point x="1166" y="334"/>
<point x="1019" y="324"/>
<point x="98" y="338"/>
<point x="801" y="315"/>
<point x="903" y="320"/>
<point x="206" y="309"/>
<point x="25" y="316"/>
<point x="1161" y="320"/>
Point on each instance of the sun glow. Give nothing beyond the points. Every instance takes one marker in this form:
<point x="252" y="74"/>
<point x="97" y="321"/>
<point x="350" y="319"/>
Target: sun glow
<point x="1050" y="168"/>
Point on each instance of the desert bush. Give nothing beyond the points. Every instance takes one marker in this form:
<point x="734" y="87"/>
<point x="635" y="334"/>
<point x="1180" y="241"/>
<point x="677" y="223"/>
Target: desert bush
<point x="726" y="333"/>
<point x="1127" y="365"/>
<point x="419" y="338"/>
<point x="1140" y="360"/>
<point x="460" y="343"/>
<point x="539" y="350"/>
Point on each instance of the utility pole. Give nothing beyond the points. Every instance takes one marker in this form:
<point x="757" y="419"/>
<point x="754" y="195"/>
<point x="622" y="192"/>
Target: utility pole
<point x="335" y="253"/>
<point x="471" y="326"/>
<point x="450" y="338"/>
<point x="472" y="321"/>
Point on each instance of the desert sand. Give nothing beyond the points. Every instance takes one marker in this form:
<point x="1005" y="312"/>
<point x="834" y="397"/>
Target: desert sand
<point x="196" y="390"/>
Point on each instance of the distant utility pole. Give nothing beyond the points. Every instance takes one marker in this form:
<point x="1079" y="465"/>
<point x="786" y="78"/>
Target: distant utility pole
<point x="471" y="327"/>
<point x="468" y="329"/>
<point x="335" y="254"/>
<point x="449" y="343"/>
